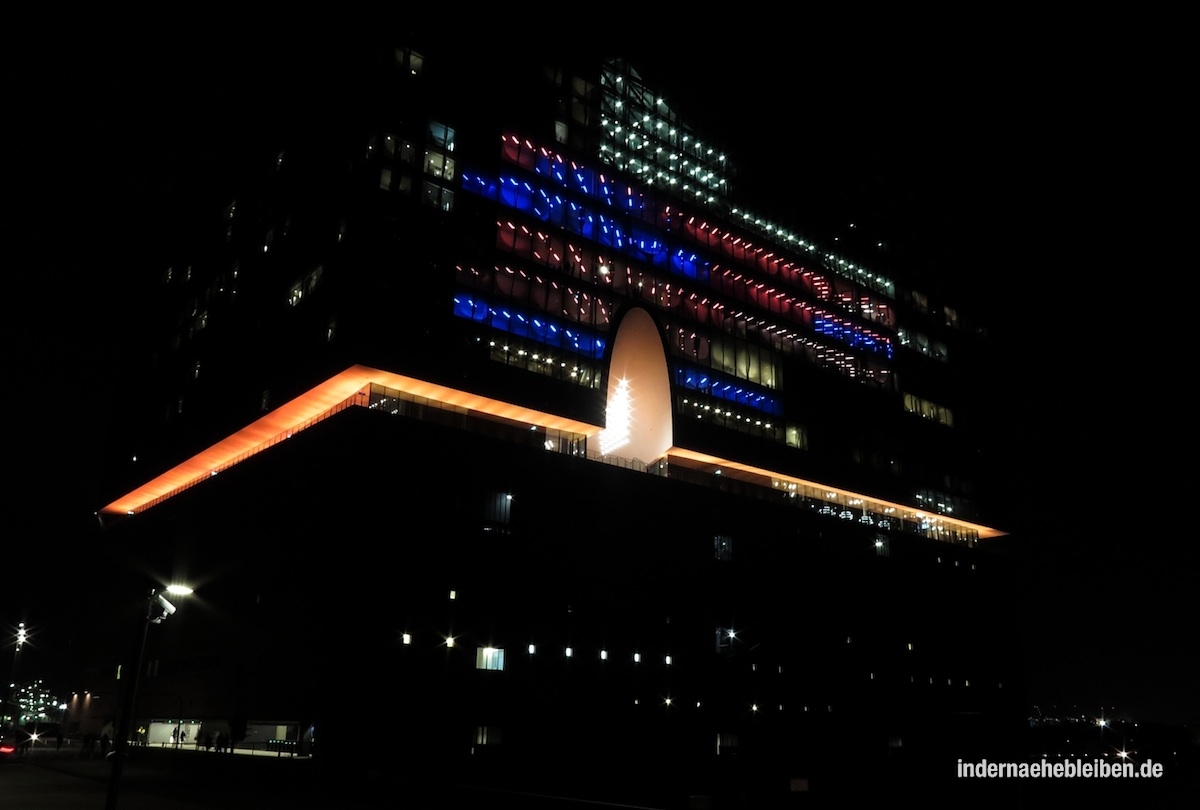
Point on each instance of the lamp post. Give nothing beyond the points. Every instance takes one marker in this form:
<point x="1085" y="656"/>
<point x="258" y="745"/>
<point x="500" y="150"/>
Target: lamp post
<point x="11" y="684"/>
<point x="157" y="610"/>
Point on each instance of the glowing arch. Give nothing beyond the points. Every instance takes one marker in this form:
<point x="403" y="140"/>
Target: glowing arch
<point x="638" y="407"/>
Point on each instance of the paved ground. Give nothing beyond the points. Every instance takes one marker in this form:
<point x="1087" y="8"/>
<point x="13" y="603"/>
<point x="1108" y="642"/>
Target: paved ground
<point x="170" y="780"/>
<point x="186" y="779"/>
<point x="155" y="779"/>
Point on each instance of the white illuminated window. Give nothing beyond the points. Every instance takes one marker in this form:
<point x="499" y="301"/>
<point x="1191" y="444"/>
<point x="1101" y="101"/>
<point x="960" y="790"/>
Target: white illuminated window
<point x="489" y="658"/>
<point x="727" y="742"/>
<point x="406" y="638"/>
<point x="487" y="735"/>
<point x="439" y="165"/>
<point x="570" y="652"/>
<point x="723" y="547"/>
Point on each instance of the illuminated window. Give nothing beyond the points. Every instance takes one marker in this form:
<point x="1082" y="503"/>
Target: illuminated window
<point x="409" y="60"/>
<point x="723" y="547"/>
<point x="441" y="135"/>
<point x="929" y="410"/>
<point x="497" y="512"/>
<point x="439" y="165"/>
<point x="305" y="286"/>
<point x="438" y="197"/>
<point x="796" y="437"/>
<point x="489" y="658"/>
<point x="487" y="735"/>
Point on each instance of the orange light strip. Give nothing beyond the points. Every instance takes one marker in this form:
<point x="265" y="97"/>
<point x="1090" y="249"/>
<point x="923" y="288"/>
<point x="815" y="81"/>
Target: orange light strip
<point x="876" y="505"/>
<point x="299" y="412"/>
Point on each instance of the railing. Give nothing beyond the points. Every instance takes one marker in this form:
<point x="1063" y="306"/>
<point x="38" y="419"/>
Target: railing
<point x="360" y="399"/>
<point x="836" y="506"/>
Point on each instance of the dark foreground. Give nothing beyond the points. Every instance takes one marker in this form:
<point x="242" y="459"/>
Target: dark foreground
<point x="189" y="780"/>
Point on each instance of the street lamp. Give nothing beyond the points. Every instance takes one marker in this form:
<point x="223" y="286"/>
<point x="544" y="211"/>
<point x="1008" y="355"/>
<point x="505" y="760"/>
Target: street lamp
<point x="22" y="637"/>
<point x="158" y="609"/>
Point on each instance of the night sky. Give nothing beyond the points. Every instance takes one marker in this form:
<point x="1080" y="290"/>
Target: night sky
<point x="1038" y="176"/>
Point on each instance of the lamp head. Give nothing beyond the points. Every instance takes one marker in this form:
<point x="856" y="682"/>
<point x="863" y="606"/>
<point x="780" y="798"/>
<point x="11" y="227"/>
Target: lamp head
<point x="167" y="608"/>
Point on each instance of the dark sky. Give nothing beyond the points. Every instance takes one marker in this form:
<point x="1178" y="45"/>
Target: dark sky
<point x="1041" y="172"/>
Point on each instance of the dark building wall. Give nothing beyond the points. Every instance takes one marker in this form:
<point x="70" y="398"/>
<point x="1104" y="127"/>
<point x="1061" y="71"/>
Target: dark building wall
<point x="312" y="560"/>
